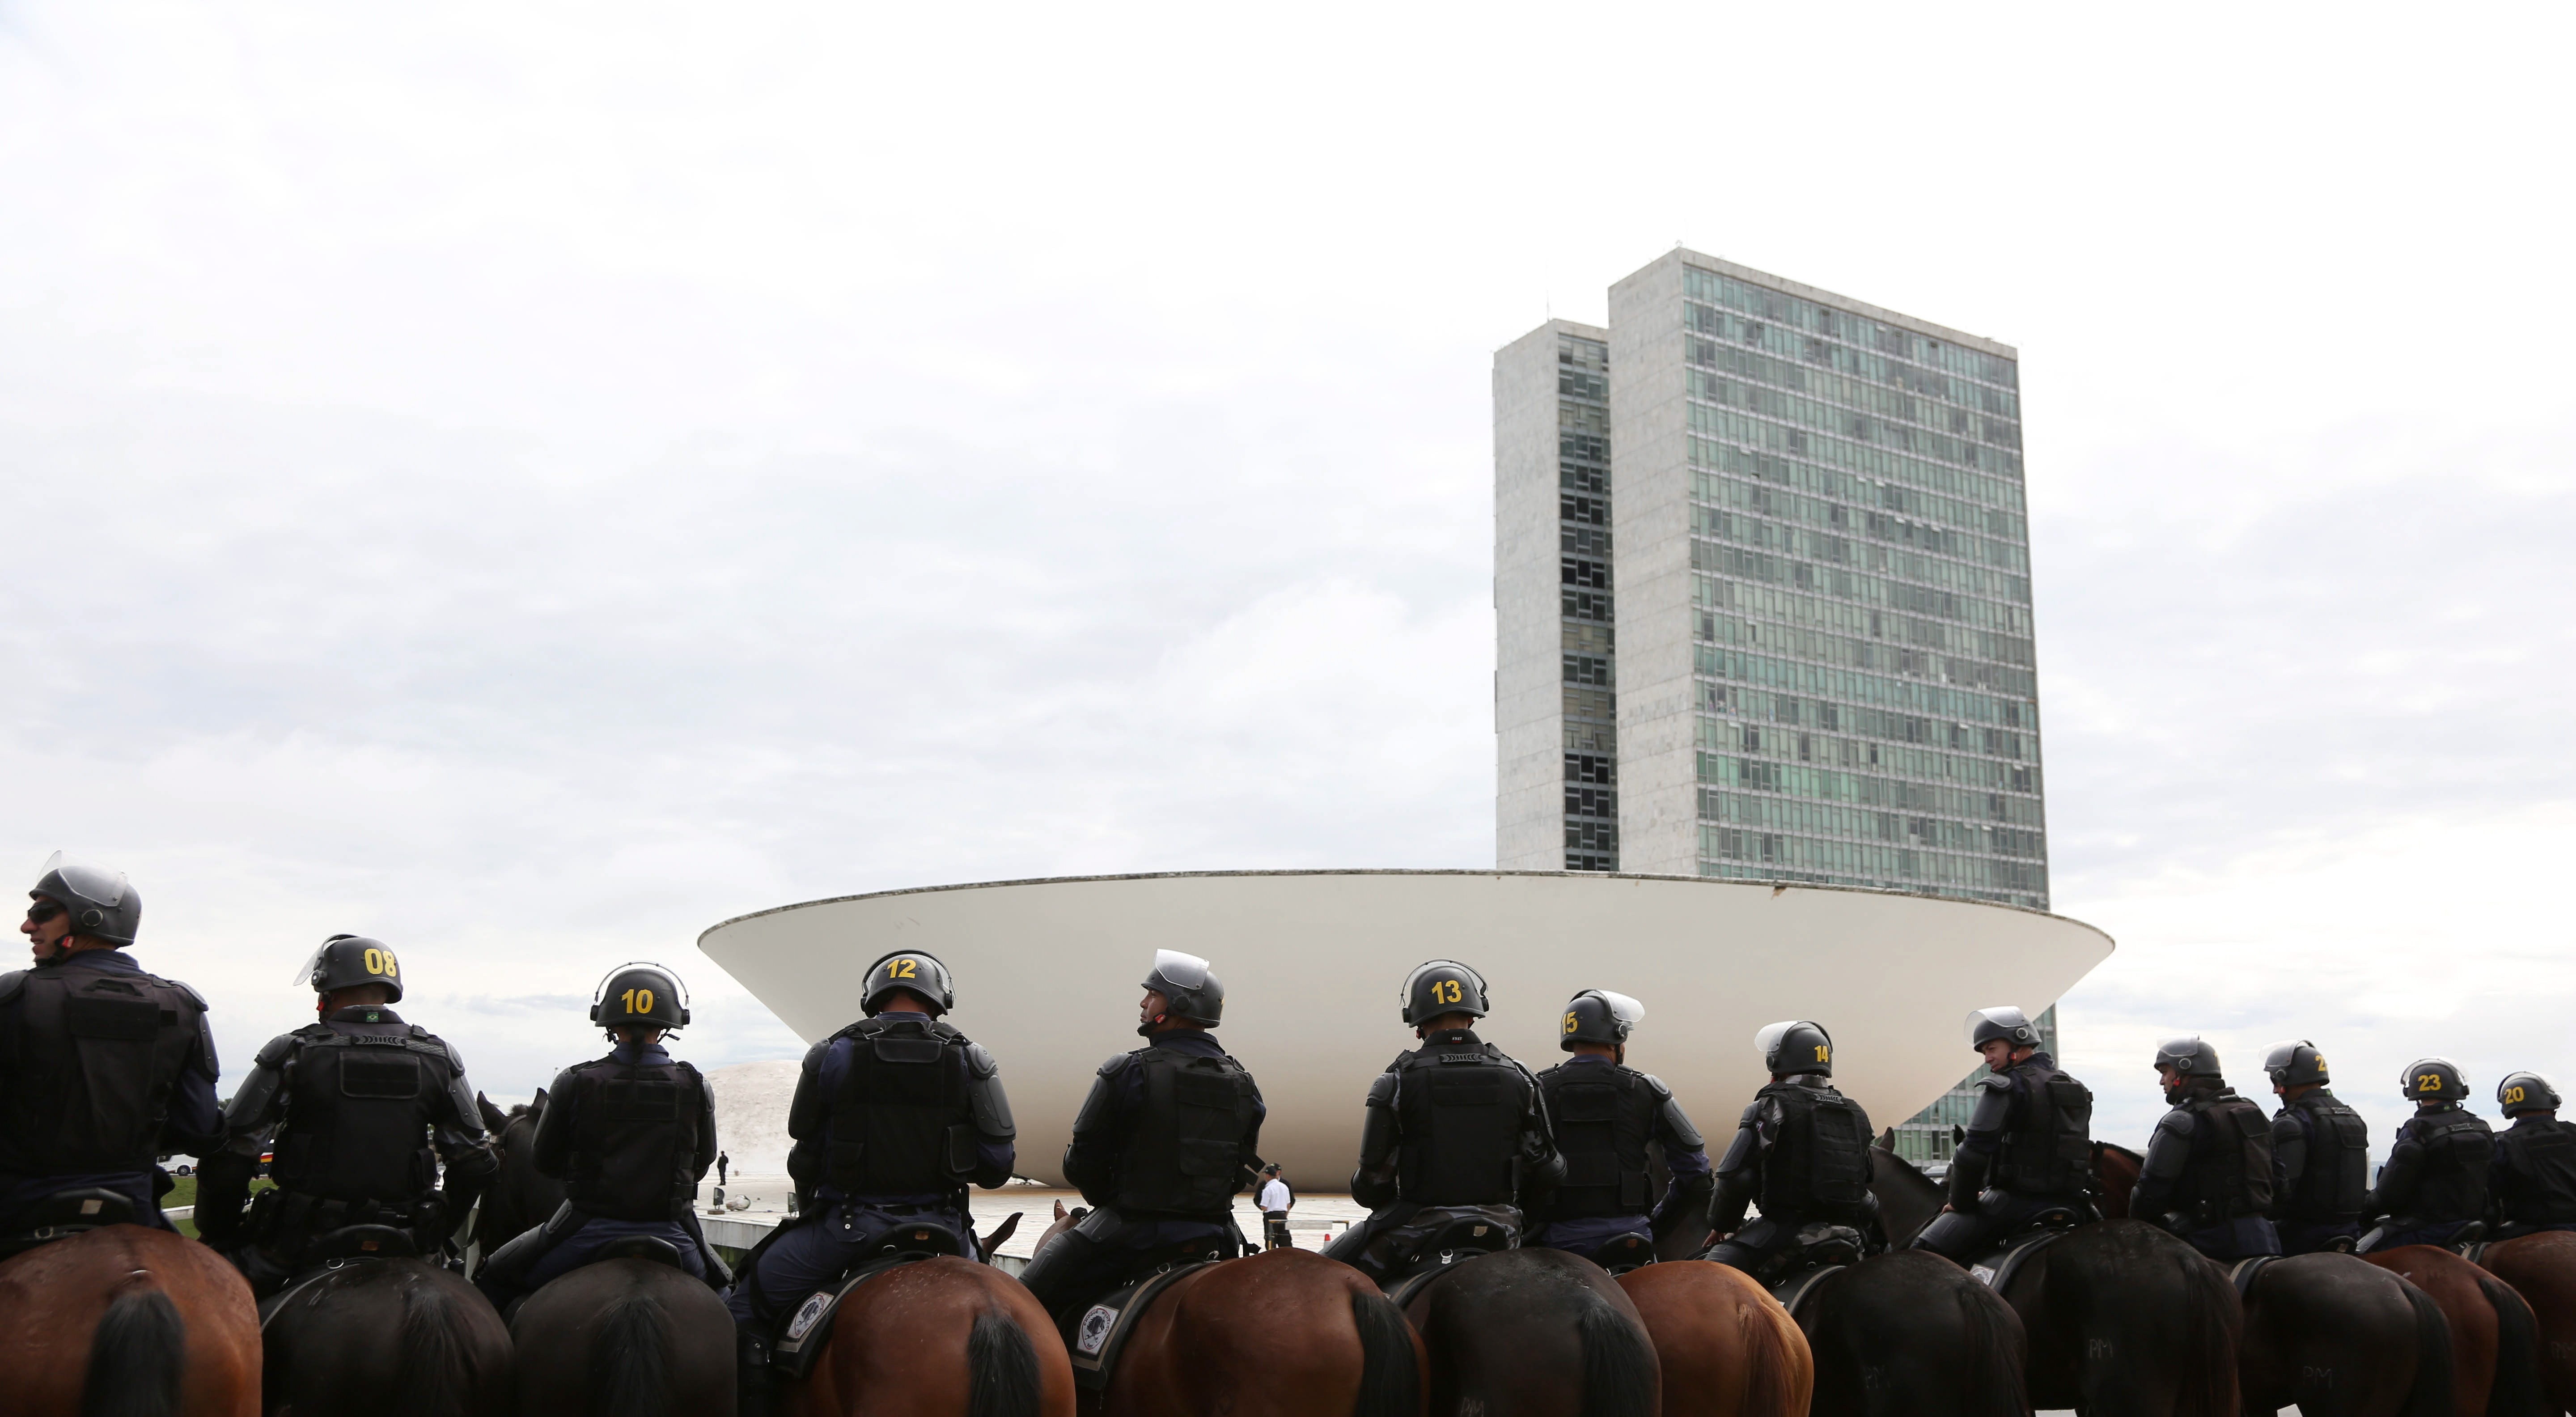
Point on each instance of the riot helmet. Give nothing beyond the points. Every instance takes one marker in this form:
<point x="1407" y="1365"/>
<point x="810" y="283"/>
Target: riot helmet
<point x="2526" y="1092"/>
<point x="1794" y="1046"/>
<point x="102" y="903"/>
<point x="2432" y="1080"/>
<point x="2002" y="1021"/>
<point x="1442" y="986"/>
<point x="1599" y="1016"/>
<point x="2295" y="1064"/>
<point x="346" y="961"/>
<point x="1188" y="988"/>
<point x="2188" y="1054"/>
<point x="640" y="995"/>
<point x="916" y="970"/>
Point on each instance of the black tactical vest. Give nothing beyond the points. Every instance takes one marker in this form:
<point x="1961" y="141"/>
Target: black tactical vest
<point x="1185" y="1150"/>
<point x="1460" y="1107"/>
<point x="2451" y="1180"/>
<point x="1818" y="1164"/>
<point x="2536" y="1176"/>
<point x="634" y="1139"/>
<point x="1604" y="1116"/>
<point x="2334" y="1183"/>
<point x="2228" y="1171"/>
<point x="361" y="1100"/>
<point x="902" y="1123"/>
<point x="98" y="1055"/>
<point x="2047" y="1148"/>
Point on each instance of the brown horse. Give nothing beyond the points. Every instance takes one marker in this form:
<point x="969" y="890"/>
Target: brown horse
<point x="1725" y="1347"/>
<point x="623" y="1338"/>
<point x="518" y="1197"/>
<point x="1535" y="1333"/>
<point x="1909" y="1334"/>
<point x="941" y="1337"/>
<point x="2495" y="1356"/>
<point x="398" y="1333"/>
<point x="2542" y="1269"/>
<point x="2338" y="1337"/>
<point x="127" y="1321"/>
<point x="1283" y="1333"/>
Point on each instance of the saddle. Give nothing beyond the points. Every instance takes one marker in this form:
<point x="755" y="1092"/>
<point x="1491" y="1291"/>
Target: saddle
<point x="1819" y="1248"/>
<point x="1445" y="1236"/>
<point x="1094" y="1336"/>
<point x="2244" y="1272"/>
<point x="67" y="1213"/>
<point x="1998" y="1268"/>
<point x="1634" y="1250"/>
<point x="793" y="1355"/>
<point x="332" y="1251"/>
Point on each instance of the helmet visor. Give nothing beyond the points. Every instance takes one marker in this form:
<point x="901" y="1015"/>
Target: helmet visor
<point x="304" y="972"/>
<point x="91" y="883"/>
<point x="1769" y="1036"/>
<point x="678" y="992"/>
<point x="1622" y="1008"/>
<point x="2003" y="1016"/>
<point x="1184" y="971"/>
<point x="2279" y="1056"/>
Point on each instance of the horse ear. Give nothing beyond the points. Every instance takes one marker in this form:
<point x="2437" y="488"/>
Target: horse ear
<point x="993" y="1242"/>
<point x="1059" y="1212"/>
<point x="494" y="1119"/>
<point x="539" y="1105"/>
<point x="1887" y="1140"/>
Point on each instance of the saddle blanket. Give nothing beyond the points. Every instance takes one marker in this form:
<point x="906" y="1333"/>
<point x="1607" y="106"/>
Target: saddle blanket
<point x="1102" y="1329"/>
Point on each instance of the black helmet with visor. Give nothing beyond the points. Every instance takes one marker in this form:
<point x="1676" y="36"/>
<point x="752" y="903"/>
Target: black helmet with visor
<point x="1794" y="1046"/>
<point x="918" y="971"/>
<point x="103" y="905"/>
<point x="1442" y="986"/>
<point x="1599" y="1016"/>
<point x="640" y="995"/>
<point x="347" y="961"/>
<point x="1189" y="988"/>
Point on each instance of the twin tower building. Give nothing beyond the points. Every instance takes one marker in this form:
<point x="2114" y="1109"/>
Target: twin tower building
<point x="1762" y="582"/>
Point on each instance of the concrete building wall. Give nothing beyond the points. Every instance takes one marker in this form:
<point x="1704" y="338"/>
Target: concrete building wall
<point x="1650" y="535"/>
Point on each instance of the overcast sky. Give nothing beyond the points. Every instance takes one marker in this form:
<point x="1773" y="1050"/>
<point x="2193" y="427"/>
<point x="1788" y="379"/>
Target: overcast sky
<point x="529" y="482"/>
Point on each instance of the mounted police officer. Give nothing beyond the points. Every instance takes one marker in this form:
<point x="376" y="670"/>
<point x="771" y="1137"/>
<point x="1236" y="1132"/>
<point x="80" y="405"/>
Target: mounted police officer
<point x="1169" y="1134"/>
<point x="2321" y="1151"/>
<point x="1801" y="1150"/>
<point x="2207" y="1175"/>
<point x="2533" y="1181"/>
<point x="2435" y="1182"/>
<point x="364" y="1109"/>
<point x="2028" y="1149"/>
<point x="102" y="1067"/>
<point x="630" y="1135"/>
<point x="1451" y="1124"/>
<point x="893" y="1117"/>
<point x="1606" y="1115"/>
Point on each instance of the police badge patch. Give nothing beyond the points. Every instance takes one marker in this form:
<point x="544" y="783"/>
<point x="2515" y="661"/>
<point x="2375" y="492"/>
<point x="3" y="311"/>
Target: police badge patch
<point x="1094" y="1329"/>
<point x="807" y="1315"/>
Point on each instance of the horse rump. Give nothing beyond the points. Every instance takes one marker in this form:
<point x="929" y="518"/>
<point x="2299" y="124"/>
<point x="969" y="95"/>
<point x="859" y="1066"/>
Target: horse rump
<point x="2211" y="1334"/>
<point x="2516" y="1392"/>
<point x="1619" y="1368"/>
<point x="137" y="1357"/>
<point x="1001" y="1367"/>
<point x="1390" y="1369"/>
<point x="630" y="1362"/>
<point x="441" y="1376"/>
<point x="1990" y="1366"/>
<point x="2431" y="1394"/>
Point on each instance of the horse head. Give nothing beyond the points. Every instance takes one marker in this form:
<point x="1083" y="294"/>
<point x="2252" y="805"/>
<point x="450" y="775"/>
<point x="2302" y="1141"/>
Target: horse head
<point x="2115" y="1174"/>
<point x="518" y="1197"/>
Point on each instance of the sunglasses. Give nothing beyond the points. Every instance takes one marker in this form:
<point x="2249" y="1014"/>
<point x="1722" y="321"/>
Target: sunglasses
<point x="44" y="910"/>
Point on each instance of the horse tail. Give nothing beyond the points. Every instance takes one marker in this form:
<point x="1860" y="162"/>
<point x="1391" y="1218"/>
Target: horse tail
<point x="2208" y="1359"/>
<point x="1619" y="1366"/>
<point x="630" y="1361"/>
<point x="136" y="1358"/>
<point x="1001" y="1367"/>
<point x="2517" y="1361"/>
<point x="1990" y="1371"/>
<point x="439" y="1377"/>
<point x="1390" y="1374"/>
<point x="1772" y="1380"/>
<point x="2431" y="1395"/>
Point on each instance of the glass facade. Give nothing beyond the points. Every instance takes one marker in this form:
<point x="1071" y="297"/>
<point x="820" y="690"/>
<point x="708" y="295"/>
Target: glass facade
<point x="1585" y="602"/>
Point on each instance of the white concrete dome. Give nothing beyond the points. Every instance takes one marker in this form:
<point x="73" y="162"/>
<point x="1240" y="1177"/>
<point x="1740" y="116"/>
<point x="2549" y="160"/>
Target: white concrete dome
<point x="1047" y="977"/>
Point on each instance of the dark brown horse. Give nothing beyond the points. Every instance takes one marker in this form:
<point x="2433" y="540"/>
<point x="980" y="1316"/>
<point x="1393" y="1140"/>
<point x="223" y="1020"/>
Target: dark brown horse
<point x="2542" y="1269"/>
<point x="2494" y="1341"/>
<point x="398" y="1334"/>
<point x="941" y="1337"/>
<point x="1909" y="1334"/>
<point x="624" y="1338"/>
<point x="1284" y="1333"/>
<point x="1535" y="1333"/>
<point x="1725" y="1347"/>
<point x="2123" y="1319"/>
<point x="518" y="1196"/>
<point x="126" y="1321"/>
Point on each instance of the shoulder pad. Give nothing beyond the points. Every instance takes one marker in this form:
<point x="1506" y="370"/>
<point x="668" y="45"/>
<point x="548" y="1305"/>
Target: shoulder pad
<point x="980" y="1062"/>
<point x="1654" y="1085"/>
<point x="442" y="1047"/>
<point x="1116" y="1062"/>
<point x="193" y="996"/>
<point x="11" y="983"/>
<point x="279" y="1048"/>
<point x="1752" y="1113"/>
<point x="1407" y="1056"/>
<point x="2179" y="1121"/>
<point x="690" y="1069"/>
<point x="2000" y="1082"/>
<point x="1382" y="1090"/>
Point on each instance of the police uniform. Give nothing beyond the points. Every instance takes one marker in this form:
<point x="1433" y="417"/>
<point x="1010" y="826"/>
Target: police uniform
<point x="1606" y="1116"/>
<point x="2028" y="1150"/>
<point x="103" y="1068"/>
<point x="2208" y="1172"/>
<point x="2321" y="1152"/>
<point x="1453" y="1123"/>
<point x="1801" y="1151"/>
<point x="362" y="1110"/>
<point x="894" y="1116"/>
<point x="2435" y="1182"/>
<point x="2532" y="1183"/>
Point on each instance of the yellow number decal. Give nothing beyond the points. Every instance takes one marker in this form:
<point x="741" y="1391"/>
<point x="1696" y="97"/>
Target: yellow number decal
<point x="1824" y="1054"/>
<point x="638" y="1001"/>
<point x="1569" y="1020"/>
<point x="2512" y="1095"/>
<point x="1446" y="991"/>
<point x="901" y="969"/>
<point x="2321" y="1061"/>
<point x="380" y="962"/>
<point x="2428" y="1082"/>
